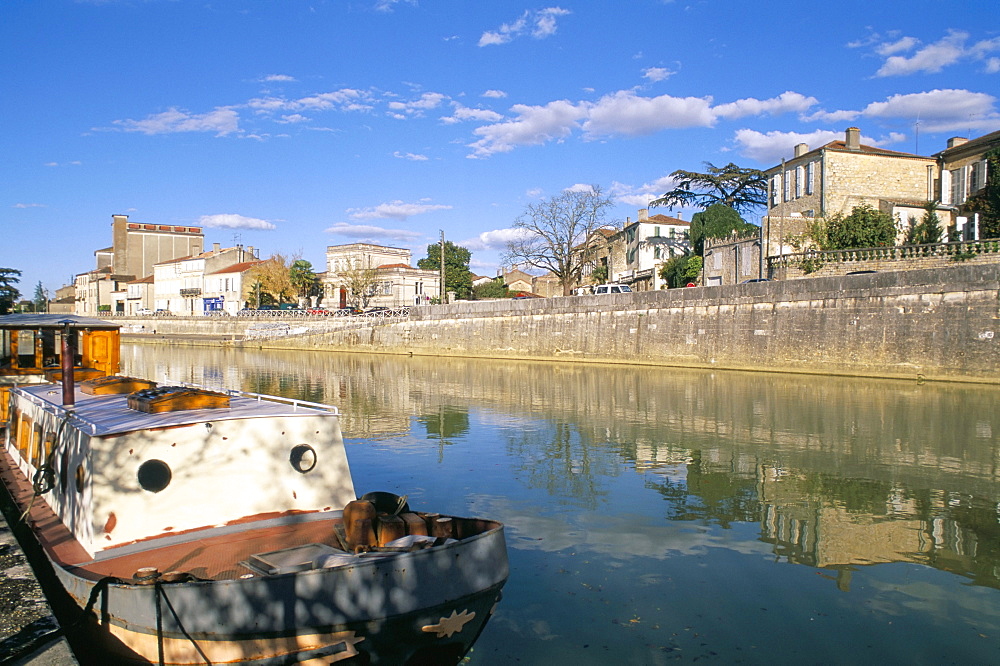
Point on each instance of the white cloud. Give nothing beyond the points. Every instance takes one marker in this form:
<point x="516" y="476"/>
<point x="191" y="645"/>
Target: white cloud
<point x="465" y="113"/>
<point x="222" y="121"/>
<point x="397" y="210"/>
<point x="628" y="114"/>
<point x="898" y="46"/>
<point x="369" y="232"/>
<point x="932" y="58"/>
<point x="345" y="99"/>
<point x="533" y="126"/>
<point x="785" y="102"/>
<point x="293" y="118"/>
<point x="769" y="148"/>
<point x="496" y="94"/>
<point x="29" y="205"/>
<point x="579" y="187"/>
<point x="993" y="65"/>
<point x="640" y="196"/>
<point x="278" y="78"/>
<point x="417" y="107"/>
<point x="389" y="5"/>
<point x="657" y="73"/>
<point x="494" y="240"/>
<point x="410" y="156"/>
<point x="939" y="110"/>
<point x="233" y="221"/>
<point x="540" y="24"/>
<point x="622" y="113"/>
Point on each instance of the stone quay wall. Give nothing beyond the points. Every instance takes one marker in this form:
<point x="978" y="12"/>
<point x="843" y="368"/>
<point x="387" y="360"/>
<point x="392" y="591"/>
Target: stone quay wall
<point x="938" y="324"/>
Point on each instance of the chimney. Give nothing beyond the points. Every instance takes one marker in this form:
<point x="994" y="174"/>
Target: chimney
<point x="643" y="214"/>
<point x="680" y="215"/>
<point x="853" y="139"/>
<point x="956" y="141"/>
<point x="801" y="149"/>
<point x="216" y="247"/>
<point x="251" y="252"/>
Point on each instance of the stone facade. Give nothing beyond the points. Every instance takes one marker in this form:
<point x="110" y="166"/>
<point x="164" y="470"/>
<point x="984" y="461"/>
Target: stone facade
<point x="394" y="284"/>
<point x="963" y="169"/>
<point x="732" y="260"/>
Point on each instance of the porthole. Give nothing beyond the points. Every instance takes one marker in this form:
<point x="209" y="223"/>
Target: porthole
<point x="154" y="475"/>
<point x="64" y="471"/>
<point x="303" y="458"/>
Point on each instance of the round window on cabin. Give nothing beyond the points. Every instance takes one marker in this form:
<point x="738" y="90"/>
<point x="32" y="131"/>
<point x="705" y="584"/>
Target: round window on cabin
<point x="64" y="471"/>
<point x="154" y="475"/>
<point x="81" y="478"/>
<point x="303" y="458"/>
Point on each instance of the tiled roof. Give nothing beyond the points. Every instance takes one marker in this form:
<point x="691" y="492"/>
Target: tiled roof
<point x="237" y="268"/>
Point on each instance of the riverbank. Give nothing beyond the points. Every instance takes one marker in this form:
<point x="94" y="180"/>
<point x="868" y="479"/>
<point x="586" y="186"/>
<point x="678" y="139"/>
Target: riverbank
<point x="930" y="325"/>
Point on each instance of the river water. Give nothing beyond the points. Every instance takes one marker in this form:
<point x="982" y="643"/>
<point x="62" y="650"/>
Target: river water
<point x="657" y="515"/>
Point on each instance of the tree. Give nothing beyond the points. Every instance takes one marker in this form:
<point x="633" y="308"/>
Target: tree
<point x="41" y="299"/>
<point x="986" y="201"/>
<point x="717" y="221"/>
<point x="864" y="227"/>
<point x="303" y="278"/>
<point x="8" y="292"/>
<point x="740" y="188"/>
<point x="928" y="229"/>
<point x="269" y="282"/>
<point x="361" y="280"/>
<point x="552" y="234"/>
<point x="492" y="289"/>
<point x="457" y="276"/>
<point x="681" y="270"/>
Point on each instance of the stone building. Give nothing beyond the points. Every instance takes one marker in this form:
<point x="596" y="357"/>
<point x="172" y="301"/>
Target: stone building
<point x="732" y="260"/>
<point x="383" y="272"/>
<point x="135" y="249"/>
<point x="963" y="168"/>
<point x="838" y="176"/>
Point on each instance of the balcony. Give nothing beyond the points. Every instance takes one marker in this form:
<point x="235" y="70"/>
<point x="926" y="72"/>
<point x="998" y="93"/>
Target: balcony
<point x="191" y="292"/>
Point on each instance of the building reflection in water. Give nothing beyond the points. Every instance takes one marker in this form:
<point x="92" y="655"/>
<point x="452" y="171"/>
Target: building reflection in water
<point x="837" y="472"/>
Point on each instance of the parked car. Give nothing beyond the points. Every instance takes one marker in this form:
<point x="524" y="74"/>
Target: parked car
<point x="756" y="280"/>
<point x="163" y="313"/>
<point x="144" y="312"/>
<point x="612" y="289"/>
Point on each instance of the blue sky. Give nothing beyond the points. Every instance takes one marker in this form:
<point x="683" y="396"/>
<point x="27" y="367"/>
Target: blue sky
<point x="293" y="125"/>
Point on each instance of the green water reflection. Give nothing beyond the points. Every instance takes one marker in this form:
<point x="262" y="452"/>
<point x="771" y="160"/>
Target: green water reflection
<point x="657" y="515"/>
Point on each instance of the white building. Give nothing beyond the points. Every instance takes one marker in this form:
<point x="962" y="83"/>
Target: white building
<point x="394" y="284"/>
<point x="648" y="243"/>
<point x="181" y="288"/>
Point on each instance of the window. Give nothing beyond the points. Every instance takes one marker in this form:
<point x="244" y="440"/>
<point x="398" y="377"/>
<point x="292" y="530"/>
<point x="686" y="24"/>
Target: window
<point x="788" y="185"/>
<point x="958" y="186"/>
<point x="799" y="178"/>
<point x="810" y="177"/>
<point x="656" y="252"/>
<point x="977" y="177"/>
<point x="775" y="188"/>
<point x="656" y="231"/>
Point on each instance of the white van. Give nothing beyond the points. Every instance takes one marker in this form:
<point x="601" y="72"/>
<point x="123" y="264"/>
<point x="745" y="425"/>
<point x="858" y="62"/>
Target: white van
<point x="612" y="289"/>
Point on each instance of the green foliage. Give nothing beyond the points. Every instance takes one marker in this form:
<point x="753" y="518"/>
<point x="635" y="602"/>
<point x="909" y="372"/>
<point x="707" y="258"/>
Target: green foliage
<point x="986" y="201"/>
<point x="928" y="229"/>
<point x="681" y="270"/>
<point x="457" y="276"/>
<point x="600" y="274"/>
<point x="8" y="292"/>
<point x="864" y="227"/>
<point x="716" y="221"/>
<point x="41" y="299"/>
<point x="811" y="264"/>
<point x="740" y="188"/>
<point x="492" y="289"/>
<point x="303" y="278"/>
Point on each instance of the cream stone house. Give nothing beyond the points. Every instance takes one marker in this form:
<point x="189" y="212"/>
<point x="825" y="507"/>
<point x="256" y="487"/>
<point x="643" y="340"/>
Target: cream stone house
<point x="194" y="286"/>
<point x="963" y="169"/>
<point x="383" y="272"/>
<point x="835" y="178"/>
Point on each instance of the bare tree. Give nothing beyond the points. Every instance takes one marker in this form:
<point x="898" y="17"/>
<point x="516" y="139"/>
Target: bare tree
<point x="554" y="232"/>
<point x="361" y="280"/>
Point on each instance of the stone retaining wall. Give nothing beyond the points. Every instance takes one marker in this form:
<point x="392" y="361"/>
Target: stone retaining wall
<point x="935" y="324"/>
